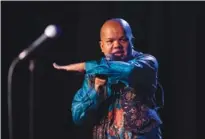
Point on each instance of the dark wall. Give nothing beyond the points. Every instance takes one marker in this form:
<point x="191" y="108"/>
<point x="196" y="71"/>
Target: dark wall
<point x="166" y="30"/>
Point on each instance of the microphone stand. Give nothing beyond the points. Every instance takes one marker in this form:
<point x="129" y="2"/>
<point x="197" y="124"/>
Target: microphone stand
<point x="31" y="98"/>
<point x="9" y="101"/>
<point x="50" y="32"/>
<point x="10" y="121"/>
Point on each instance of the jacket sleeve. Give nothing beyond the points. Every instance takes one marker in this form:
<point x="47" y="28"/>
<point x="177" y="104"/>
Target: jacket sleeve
<point x="86" y="99"/>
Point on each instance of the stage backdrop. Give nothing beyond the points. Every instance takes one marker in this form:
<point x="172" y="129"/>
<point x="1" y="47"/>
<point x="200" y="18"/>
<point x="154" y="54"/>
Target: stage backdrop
<point x="166" y="30"/>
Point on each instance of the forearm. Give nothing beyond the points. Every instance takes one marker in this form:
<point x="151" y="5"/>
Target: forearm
<point x="79" y="67"/>
<point x="75" y="67"/>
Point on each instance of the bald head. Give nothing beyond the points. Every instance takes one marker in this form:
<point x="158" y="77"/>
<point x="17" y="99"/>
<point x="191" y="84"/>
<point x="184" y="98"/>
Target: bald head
<point x="118" y="24"/>
<point x="116" y="39"/>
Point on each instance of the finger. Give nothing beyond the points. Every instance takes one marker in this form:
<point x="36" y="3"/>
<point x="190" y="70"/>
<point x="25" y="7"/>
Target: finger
<point x="56" y="66"/>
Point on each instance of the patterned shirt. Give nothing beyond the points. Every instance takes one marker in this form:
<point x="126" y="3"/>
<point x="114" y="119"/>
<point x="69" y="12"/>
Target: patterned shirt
<point x="123" y="108"/>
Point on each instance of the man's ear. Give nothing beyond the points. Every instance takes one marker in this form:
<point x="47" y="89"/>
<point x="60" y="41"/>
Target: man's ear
<point x="101" y="45"/>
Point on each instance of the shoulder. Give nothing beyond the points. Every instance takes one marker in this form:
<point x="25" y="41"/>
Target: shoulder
<point x="147" y="58"/>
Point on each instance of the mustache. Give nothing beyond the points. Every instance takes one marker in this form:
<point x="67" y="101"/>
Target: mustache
<point x="118" y="50"/>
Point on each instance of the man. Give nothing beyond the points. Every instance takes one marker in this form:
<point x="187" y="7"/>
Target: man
<point x="117" y="95"/>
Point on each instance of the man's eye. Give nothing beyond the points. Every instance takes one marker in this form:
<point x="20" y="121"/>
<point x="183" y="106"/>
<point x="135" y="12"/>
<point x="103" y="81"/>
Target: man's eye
<point x="123" y="40"/>
<point x="109" y="42"/>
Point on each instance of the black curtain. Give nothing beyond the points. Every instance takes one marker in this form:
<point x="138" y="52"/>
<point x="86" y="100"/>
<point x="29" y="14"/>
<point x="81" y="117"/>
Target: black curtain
<point x="166" y="30"/>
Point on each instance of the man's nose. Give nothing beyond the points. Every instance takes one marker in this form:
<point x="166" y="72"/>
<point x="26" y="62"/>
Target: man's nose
<point x="117" y="44"/>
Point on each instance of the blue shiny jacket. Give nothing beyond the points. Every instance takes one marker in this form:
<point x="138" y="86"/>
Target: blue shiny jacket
<point x="139" y="73"/>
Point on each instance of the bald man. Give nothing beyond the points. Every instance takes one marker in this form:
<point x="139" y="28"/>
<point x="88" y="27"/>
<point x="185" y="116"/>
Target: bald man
<point x="117" y="95"/>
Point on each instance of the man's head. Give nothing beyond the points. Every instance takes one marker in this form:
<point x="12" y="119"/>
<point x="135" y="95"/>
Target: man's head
<point x="116" y="39"/>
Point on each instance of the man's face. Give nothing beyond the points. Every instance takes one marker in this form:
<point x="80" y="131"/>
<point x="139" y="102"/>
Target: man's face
<point x="114" y="41"/>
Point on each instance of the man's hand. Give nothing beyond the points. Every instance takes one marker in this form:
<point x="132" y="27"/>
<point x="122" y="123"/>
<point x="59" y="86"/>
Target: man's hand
<point x="79" y="67"/>
<point x="57" y="66"/>
<point x="100" y="83"/>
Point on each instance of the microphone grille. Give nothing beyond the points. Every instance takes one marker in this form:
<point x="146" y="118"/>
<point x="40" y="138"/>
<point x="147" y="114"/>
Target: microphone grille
<point x="51" y="31"/>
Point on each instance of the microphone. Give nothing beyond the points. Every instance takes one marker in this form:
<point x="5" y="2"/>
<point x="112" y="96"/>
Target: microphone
<point x="109" y="57"/>
<point x="51" y="31"/>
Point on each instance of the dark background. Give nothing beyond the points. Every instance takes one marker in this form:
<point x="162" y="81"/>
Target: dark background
<point x="167" y="30"/>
